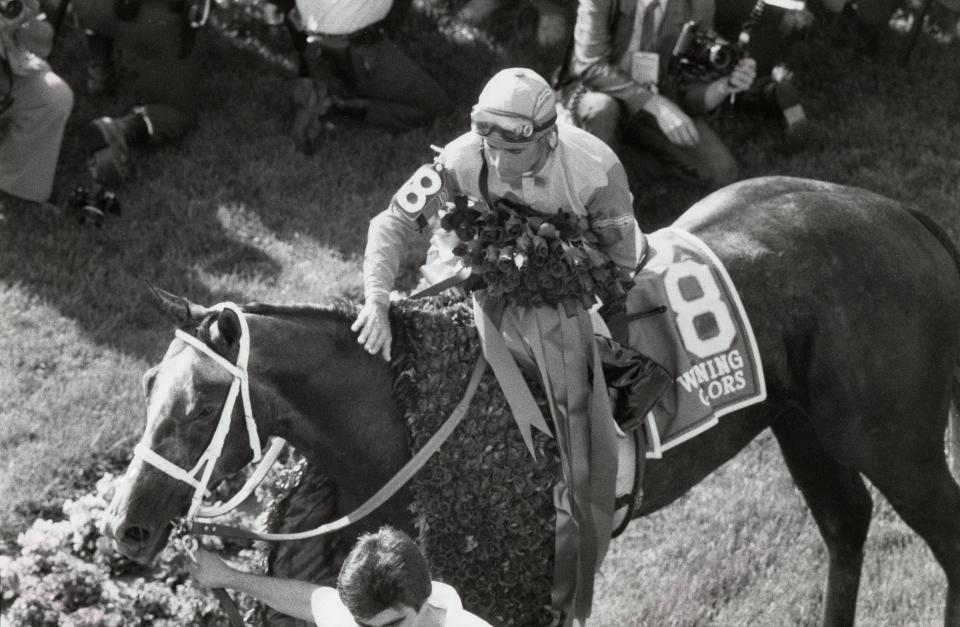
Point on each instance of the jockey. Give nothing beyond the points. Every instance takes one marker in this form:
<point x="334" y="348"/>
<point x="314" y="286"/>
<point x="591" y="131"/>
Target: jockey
<point x="516" y="151"/>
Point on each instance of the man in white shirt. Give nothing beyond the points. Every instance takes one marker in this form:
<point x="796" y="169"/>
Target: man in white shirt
<point x="356" y="72"/>
<point x="384" y="581"/>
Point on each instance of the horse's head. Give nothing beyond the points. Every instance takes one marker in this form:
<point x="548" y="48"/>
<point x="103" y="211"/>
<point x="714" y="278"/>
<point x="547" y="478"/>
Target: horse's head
<point x="185" y="396"/>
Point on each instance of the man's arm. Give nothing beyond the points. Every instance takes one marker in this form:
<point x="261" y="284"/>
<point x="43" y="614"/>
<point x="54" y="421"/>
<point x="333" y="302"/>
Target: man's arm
<point x="593" y="59"/>
<point x="710" y="95"/>
<point x="289" y="596"/>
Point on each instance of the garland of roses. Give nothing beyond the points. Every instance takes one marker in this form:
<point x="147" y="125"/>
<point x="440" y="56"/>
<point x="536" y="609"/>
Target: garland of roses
<point x="529" y="258"/>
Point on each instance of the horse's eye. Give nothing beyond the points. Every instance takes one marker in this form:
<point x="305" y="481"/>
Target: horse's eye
<point x="205" y="412"/>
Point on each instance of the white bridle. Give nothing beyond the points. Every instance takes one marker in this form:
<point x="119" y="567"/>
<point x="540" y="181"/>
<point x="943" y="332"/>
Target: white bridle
<point x="208" y="459"/>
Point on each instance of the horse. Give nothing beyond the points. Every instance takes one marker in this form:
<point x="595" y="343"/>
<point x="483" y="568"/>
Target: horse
<point x="854" y="300"/>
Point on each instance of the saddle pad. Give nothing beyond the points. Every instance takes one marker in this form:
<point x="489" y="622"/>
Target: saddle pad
<point x="691" y="321"/>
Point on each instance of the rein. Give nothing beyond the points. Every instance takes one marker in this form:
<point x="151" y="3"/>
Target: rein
<point x="197" y="520"/>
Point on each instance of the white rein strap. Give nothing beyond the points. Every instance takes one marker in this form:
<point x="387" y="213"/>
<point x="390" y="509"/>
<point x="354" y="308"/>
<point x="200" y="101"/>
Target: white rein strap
<point x="239" y="387"/>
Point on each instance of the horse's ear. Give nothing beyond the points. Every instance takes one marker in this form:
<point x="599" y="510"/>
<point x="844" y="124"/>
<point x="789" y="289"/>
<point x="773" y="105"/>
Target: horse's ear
<point x="177" y="308"/>
<point x="226" y="328"/>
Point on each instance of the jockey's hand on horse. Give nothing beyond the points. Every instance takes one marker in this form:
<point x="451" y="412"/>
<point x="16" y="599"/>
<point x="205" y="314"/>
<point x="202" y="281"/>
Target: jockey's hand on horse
<point x="210" y="570"/>
<point x="373" y="323"/>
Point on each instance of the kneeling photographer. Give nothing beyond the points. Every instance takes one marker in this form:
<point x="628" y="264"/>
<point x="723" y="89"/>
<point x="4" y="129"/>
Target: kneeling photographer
<point x="34" y="105"/>
<point x="625" y="85"/>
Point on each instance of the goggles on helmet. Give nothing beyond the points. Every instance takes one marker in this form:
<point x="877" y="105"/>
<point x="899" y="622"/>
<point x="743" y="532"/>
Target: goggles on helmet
<point x="509" y="128"/>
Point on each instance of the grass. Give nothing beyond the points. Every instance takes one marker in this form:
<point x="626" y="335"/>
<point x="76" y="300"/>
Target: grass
<point x="233" y="212"/>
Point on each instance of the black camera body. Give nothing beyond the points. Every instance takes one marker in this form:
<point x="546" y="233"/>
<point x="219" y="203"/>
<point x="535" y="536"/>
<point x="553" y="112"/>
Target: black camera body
<point x="704" y="55"/>
<point x="11" y="9"/>
<point x="93" y="203"/>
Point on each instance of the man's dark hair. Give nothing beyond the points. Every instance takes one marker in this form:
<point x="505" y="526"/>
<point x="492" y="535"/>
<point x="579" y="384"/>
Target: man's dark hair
<point x="384" y="569"/>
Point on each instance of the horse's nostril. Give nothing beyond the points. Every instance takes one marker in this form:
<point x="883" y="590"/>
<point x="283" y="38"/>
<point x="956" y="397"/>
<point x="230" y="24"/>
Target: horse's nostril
<point x="136" y="534"/>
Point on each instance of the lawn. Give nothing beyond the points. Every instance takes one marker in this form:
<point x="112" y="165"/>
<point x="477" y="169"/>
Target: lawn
<point x="234" y="213"/>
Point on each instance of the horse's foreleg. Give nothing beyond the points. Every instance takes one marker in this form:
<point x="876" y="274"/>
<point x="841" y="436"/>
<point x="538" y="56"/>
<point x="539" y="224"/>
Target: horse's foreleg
<point x="841" y="507"/>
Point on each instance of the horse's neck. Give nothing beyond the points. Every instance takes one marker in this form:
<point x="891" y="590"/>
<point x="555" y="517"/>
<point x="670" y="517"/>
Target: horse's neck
<point x="330" y="399"/>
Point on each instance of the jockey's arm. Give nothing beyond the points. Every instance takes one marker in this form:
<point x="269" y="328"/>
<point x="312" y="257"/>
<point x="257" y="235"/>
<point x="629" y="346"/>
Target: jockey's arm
<point x="391" y="232"/>
<point x="612" y="219"/>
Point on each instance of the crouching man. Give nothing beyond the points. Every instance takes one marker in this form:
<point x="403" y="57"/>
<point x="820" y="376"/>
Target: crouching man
<point x="385" y="580"/>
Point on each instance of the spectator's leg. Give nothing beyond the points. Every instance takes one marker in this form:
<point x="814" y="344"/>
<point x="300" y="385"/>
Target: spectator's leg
<point x="708" y="164"/>
<point x="553" y="26"/>
<point x="400" y="95"/>
<point x="30" y="145"/>
<point x="167" y="84"/>
<point x="600" y="114"/>
<point x="101" y="73"/>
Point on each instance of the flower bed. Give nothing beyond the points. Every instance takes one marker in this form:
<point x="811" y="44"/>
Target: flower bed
<point x="67" y="574"/>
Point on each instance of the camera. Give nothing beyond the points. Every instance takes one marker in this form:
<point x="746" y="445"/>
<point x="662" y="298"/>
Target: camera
<point x="11" y="9"/>
<point x="704" y="55"/>
<point x="92" y="203"/>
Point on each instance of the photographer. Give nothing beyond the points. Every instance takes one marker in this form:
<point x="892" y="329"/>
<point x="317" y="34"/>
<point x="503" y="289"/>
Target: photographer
<point x="623" y="90"/>
<point x="34" y="103"/>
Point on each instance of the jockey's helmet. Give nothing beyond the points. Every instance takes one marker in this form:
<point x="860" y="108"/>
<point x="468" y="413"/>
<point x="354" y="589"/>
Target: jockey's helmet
<point x="517" y="106"/>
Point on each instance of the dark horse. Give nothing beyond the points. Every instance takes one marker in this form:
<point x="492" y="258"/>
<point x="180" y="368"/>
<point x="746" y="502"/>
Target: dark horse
<point x="855" y="302"/>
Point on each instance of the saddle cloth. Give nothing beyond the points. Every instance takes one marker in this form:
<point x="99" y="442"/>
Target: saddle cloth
<point x="684" y="313"/>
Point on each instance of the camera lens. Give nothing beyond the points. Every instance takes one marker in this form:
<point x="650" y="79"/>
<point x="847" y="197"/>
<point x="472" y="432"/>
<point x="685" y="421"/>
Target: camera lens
<point x="720" y="57"/>
<point x="12" y="9"/>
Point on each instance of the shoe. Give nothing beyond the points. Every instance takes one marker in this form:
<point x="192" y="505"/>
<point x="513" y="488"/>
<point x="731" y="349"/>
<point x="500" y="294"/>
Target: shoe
<point x="646" y="384"/>
<point x="640" y="380"/>
<point x="311" y="102"/>
<point x="106" y="132"/>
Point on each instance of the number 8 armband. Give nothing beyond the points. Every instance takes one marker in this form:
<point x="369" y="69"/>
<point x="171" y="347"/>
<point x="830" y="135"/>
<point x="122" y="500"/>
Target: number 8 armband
<point x="422" y="196"/>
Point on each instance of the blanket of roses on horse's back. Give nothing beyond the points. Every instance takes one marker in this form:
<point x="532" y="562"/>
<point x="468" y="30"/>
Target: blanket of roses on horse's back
<point x="483" y="506"/>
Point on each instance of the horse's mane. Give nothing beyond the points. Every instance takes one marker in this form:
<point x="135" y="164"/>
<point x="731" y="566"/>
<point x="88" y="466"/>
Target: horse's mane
<point x="343" y="309"/>
<point x="338" y="308"/>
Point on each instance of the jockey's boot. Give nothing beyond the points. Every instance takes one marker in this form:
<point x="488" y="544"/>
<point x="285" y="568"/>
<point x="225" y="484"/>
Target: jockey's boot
<point x="109" y="140"/>
<point x="101" y="72"/>
<point x="640" y="380"/>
